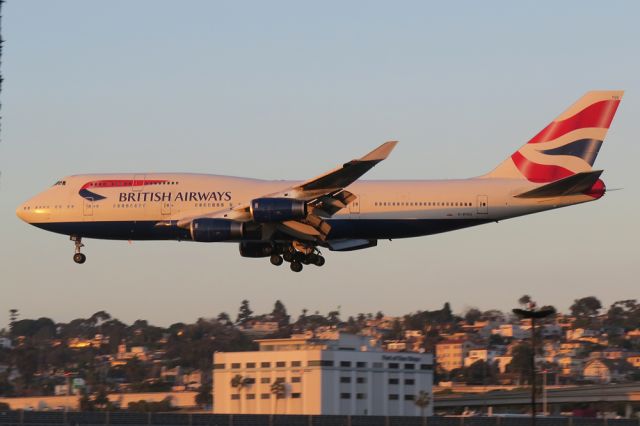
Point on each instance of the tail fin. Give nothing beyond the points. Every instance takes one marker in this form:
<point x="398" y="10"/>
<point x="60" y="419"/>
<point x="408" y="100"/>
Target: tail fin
<point x="568" y="145"/>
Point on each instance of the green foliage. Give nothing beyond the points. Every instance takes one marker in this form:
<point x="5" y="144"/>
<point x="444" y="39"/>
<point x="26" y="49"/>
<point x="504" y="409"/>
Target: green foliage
<point x="244" y="313"/>
<point x="143" y="406"/>
<point x="521" y="362"/>
<point x="204" y="397"/>
<point x="585" y="309"/>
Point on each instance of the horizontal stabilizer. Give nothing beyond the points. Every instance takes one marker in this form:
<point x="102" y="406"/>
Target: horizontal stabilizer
<point x="575" y="184"/>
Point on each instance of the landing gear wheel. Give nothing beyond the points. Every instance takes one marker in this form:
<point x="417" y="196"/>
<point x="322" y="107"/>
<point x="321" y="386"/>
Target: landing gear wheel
<point x="287" y="256"/>
<point x="276" y="260"/>
<point x="305" y="260"/>
<point x="296" y="266"/>
<point x="319" y="261"/>
<point x="78" y="257"/>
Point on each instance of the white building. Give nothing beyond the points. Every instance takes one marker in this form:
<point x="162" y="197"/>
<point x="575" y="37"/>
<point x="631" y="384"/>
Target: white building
<point x="338" y="374"/>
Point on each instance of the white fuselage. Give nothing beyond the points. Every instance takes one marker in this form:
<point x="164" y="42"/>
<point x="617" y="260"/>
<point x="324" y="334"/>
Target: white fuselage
<point x="383" y="209"/>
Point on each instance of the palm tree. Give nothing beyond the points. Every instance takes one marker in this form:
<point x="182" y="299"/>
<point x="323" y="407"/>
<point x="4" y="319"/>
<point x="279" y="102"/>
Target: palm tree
<point x="239" y="382"/>
<point x="279" y="389"/>
<point x="423" y="400"/>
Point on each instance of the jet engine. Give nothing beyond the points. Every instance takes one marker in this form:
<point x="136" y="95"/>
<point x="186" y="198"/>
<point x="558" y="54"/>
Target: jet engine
<point x="251" y="249"/>
<point x="215" y="230"/>
<point x="277" y="209"/>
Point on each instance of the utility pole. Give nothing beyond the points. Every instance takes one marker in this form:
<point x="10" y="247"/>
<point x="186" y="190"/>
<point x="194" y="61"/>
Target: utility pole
<point x="532" y="314"/>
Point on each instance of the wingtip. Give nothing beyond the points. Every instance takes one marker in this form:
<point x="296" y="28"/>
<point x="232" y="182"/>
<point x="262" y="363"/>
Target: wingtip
<point x="381" y="152"/>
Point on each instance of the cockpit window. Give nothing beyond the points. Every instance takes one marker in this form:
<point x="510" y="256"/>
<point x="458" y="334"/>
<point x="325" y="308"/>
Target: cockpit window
<point x="60" y="183"/>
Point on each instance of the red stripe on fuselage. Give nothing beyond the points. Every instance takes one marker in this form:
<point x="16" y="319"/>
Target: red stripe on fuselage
<point x="599" y="114"/>
<point x="110" y="183"/>
<point x="539" y="173"/>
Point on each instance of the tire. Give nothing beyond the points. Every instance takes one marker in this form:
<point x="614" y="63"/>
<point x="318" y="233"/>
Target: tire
<point x="288" y="257"/>
<point x="319" y="261"/>
<point x="276" y="260"/>
<point x="79" y="258"/>
<point x="296" y="266"/>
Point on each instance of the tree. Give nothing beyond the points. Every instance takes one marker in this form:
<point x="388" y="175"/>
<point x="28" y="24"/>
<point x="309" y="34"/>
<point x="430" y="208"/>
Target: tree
<point x="204" y="398"/>
<point x="244" y="313"/>
<point x="13" y="317"/>
<point x="224" y="318"/>
<point x="279" y="314"/>
<point x="524" y="300"/>
<point x="333" y="317"/>
<point x="521" y="362"/>
<point x="585" y="309"/>
<point x="472" y="315"/>
<point x="423" y="399"/>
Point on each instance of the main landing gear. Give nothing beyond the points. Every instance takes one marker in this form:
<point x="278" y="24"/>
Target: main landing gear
<point x="297" y="258"/>
<point x="78" y="257"/>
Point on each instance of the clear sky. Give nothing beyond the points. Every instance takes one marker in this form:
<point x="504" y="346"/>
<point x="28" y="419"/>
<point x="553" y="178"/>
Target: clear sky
<point x="289" y="89"/>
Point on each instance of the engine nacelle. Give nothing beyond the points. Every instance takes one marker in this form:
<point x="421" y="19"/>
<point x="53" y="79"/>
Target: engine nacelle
<point x="250" y="249"/>
<point x="215" y="230"/>
<point x="277" y="209"/>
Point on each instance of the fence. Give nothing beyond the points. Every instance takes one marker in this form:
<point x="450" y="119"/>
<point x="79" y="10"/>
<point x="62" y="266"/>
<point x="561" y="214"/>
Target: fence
<point x="124" y="418"/>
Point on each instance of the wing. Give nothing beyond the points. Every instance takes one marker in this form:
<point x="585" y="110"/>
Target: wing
<point x="325" y="195"/>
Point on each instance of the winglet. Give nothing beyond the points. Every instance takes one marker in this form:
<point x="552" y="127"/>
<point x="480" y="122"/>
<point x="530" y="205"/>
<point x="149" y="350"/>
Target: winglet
<point x="381" y="152"/>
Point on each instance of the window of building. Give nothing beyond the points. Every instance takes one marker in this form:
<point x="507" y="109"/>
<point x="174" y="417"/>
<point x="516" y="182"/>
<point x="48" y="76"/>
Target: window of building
<point x="265" y="365"/>
<point x="409" y="366"/>
<point x="251" y="396"/>
<point x="361" y="396"/>
<point x="394" y="381"/>
<point x="296" y="379"/>
<point x="295" y="395"/>
<point x="393" y="397"/>
<point x="377" y="365"/>
<point x="361" y="364"/>
<point x="394" y="365"/>
<point x="409" y="382"/>
<point x="218" y="366"/>
<point x="250" y="380"/>
<point x="409" y="397"/>
<point x="345" y="379"/>
<point x="265" y="380"/>
<point x="281" y="364"/>
<point x="426" y="367"/>
<point x="361" y="380"/>
<point x="265" y="395"/>
<point x="251" y="365"/>
<point x="345" y="395"/>
<point x="235" y="365"/>
<point x="235" y="396"/>
<point x="345" y="363"/>
<point x="320" y="363"/>
<point x="296" y="363"/>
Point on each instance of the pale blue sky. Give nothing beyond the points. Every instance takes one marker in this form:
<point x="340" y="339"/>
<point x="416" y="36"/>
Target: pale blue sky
<point x="289" y="90"/>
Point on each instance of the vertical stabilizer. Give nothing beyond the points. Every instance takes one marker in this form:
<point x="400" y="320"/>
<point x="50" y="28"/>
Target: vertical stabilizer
<point x="568" y="145"/>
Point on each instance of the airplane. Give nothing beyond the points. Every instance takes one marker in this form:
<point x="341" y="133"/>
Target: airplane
<point x="289" y="221"/>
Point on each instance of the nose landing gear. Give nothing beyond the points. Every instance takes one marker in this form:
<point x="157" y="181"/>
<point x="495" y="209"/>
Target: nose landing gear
<point x="78" y="257"/>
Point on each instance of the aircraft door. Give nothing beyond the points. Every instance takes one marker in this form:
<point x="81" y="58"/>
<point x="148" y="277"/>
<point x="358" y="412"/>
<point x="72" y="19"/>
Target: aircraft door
<point x="87" y="208"/>
<point x="166" y="208"/>
<point x="354" y="207"/>
<point x="483" y="204"/>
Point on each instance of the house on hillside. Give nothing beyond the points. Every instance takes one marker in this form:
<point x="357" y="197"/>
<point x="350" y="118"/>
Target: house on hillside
<point x="606" y="370"/>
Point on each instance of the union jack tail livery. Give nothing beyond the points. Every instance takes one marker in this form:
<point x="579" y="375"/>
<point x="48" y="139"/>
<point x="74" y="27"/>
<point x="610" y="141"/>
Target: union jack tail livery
<point x="568" y="145"/>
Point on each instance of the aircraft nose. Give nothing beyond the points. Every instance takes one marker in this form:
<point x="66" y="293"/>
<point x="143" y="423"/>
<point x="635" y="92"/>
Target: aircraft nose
<point x="23" y="212"/>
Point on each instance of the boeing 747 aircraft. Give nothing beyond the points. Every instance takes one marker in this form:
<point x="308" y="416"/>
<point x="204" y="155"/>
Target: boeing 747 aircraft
<point x="290" y="221"/>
